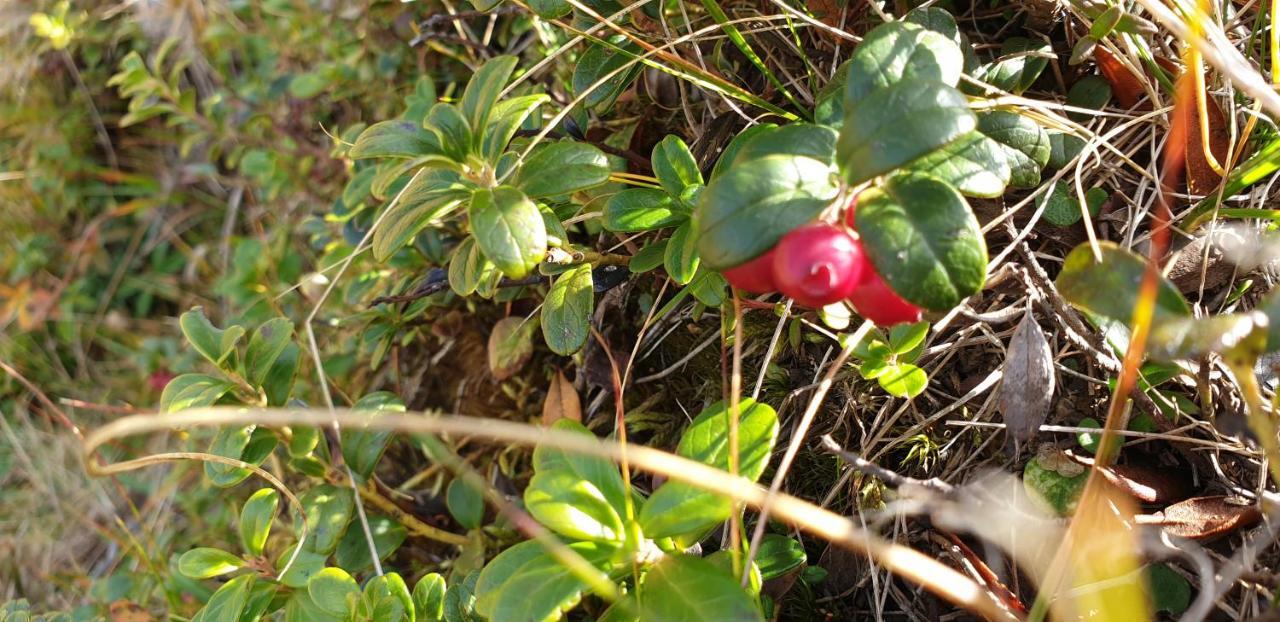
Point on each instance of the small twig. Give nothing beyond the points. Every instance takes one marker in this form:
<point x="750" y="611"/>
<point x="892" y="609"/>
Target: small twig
<point x="891" y="478"/>
<point x="438" y="280"/>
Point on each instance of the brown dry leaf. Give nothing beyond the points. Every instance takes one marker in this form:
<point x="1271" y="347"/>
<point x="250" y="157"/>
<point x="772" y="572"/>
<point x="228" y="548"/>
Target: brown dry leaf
<point x="1201" y="178"/>
<point x="1125" y="86"/>
<point x="125" y="611"/>
<point x="1027" y="388"/>
<point x="1204" y="518"/>
<point x="510" y="346"/>
<point x="562" y="401"/>
<point x="1148" y="484"/>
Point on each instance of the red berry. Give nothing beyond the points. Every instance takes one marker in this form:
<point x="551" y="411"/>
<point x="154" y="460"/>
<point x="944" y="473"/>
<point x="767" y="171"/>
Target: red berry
<point x="818" y="264"/>
<point x="873" y="300"/>
<point x="755" y="276"/>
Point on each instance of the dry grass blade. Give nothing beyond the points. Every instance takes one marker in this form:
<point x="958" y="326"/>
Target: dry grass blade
<point x="912" y="565"/>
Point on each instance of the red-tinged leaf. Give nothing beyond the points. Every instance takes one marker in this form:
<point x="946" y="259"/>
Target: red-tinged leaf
<point x="1125" y="86"/>
<point x="1201" y="178"/>
<point x="562" y="401"/>
<point x="510" y="346"/>
<point x="1204" y="518"/>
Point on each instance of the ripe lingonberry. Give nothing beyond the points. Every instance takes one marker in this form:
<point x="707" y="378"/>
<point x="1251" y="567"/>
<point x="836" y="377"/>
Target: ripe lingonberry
<point x="873" y="300"/>
<point x="818" y="264"/>
<point x="755" y="276"/>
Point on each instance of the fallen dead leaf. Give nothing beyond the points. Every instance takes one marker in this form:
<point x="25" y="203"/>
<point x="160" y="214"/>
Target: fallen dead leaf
<point x="562" y="401"/>
<point x="1027" y="388"/>
<point x="510" y="346"/>
<point x="1201" y="178"/>
<point x="1125" y="86"/>
<point x="125" y="611"/>
<point x="1204" y="518"/>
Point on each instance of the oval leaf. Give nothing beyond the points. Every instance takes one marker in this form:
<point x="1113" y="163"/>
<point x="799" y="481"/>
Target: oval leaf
<point x="897" y="124"/>
<point x="509" y="230"/>
<point x="256" y="518"/>
<point x="566" y="312"/>
<point x="682" y="588"/>
<point x="1109" y="288"/>
<point x="205" y="562"/>
<point x="899" y="51"/>
<point x="524" y="582"/>
<point x="562" y="168"/>
<point x="641" y="209"/>
<point x="1025" y="144"/>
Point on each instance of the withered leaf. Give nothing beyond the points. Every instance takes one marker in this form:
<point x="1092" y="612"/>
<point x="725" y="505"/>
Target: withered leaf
<point x="510" y="346"/>
<point x="562" y="401"/>
<point x="1203" y="518"/>
<point x="1148" y="484"/>
<point x="1201" y="178"/>
<point x="1125" y="86"/>
<point x="1027" y="388"/>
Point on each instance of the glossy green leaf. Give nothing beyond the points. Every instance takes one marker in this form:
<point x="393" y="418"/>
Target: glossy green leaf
<point x="468" y="268"/>
<point x="1063" y="208"/>
<point x="600" y="61"/>
<point x="508" y="228"/>
<point x="265" y="346"/>
<point x="974" y="164"/>
<point x="465" y="503"/>
<point x="1025" y="144"/>
<point x="432" y="195"/>
<point x="566" y="311"/>
<point x="560" y="168"/>
<point x="334" y="591"/>
<point x="641" y="209"/>
<point x="677" y="508"/>
<point x="751" y="205"/>
<point x="1109" y="287"/>
<point x="460" y="600"/>
<point x="306" y="566"/>
<point x="937" y="20"/>
<point x="903" y="380"/>
<point x="580" y="497"/>
<point x="428" y="598"/>
<point x="779" y="555"/>
<point x="1170" y="591"/>
<point x="482" y="90"/>
<point x="1091" y="92"/>
<point x="300" y="608"/>
<point x="234" y="443"/>
<point x="681" y="258"/>
<point x="682" y="588"/>
<point x="255" y="519"/>
<point x="453" y="128"/>
<point x="508" y="115"/>
<point x="216" y="345"/>
<point x="897" y="52"/>
<point x="524" y="582"/>
<point x="395" y="139"/>
<point x="799" y="139"/>
<point x="387" y="599"/>
<point x="709" y="288"/>
<point x="362" y="449"/>
<point x="730" y="153"/>
<point x="1022" y="60"/>
<point x="550" y="9"/>
<point x="229" y="602"/>
<point x="1237" y="337"/>
<point x="353" y="550"/>
<point x="1063" y="148"/>
<point x="675" y="166"/>
<point x="923" y="240"/>
<point x="193" y="391"/>
<point x="897" y="124"/>
<point x="205" y="562"/>
<point x="649" y="257"/>
<point x="329" y="510"/>
<point x="262" y="596"/>
<point x="420" y="100"/>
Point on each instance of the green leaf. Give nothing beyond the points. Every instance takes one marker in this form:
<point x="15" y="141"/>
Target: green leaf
<point x="192" y="391"/>
<point x="460" y="600"/>
<point x="1022" y="61"/>
<point x="675" y="166"/>
<point x="230" y="443"/>
<point x="1170" y="591"/>
<point x="510" y="346"/>
<point x="229" y="602"/>
<point x="432" y="195"/>
<point x="1109" y="287"/>
<point x="897" y="52"/>
<point x="682" y="588"/>
<point x="465" y="503"/>
<point x="799" y="139"/>
<point x="923" y="240"/>
<point x="709" y="288"/>
<point x="256" y="518"/>
<point x="578" y="496"/>
<point x="218" y="346"/>
<point x="903" y="338"/>
<point x="779" y="555"/>
<point x="566" y="311"/>
<point x="677" y="508"/>
<point x="730" y="153"/>
<point x="329" y="510"/>
<point x="508" y="228"/>
<point x="307" y="565"/>
<point x="561" y="168"/>
<point x="307" y="85"/>
<point x="353" y="550"/>
<point x="649" y="257"/>
<point x="897" y="124"/>
<point x="1063" y="209"/>
<point x="453" y="129"/>
<point x="420" y="100"/>
<point x="751" y="205"/>
<point x="482" y="90"/>
<point x="428" y="598"/>
<point x="903" y="380"/>
<point x="1025" y="145"/>
<point x="599" y="61"/>
<point x="265" y="347"/>
<point x="469" y="268"/>
<point x="550" y="9"/>
<point x="1237" y="337"/>
<point x="974" y="164"/>
<point x="681" y="258"/>
<point x="508" y="115"/>
<point x="334" y="591"/>
<point x="1092" y="92"/>
<point x="1054" y="483"/>
<point x="387" y="599"/>
<point x="205" y="562"/>
<point x="1063" y="148"/>
<point x="300" y="608"/>
<point x="524" y="582"/>
<point x="641" y="209"/>
<point x="279" y="381"/>
<point x="362" y="449"/>
<point x="261" y="597"/>
<point x="936" y="19"/>
<point x="395" y="139"/>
